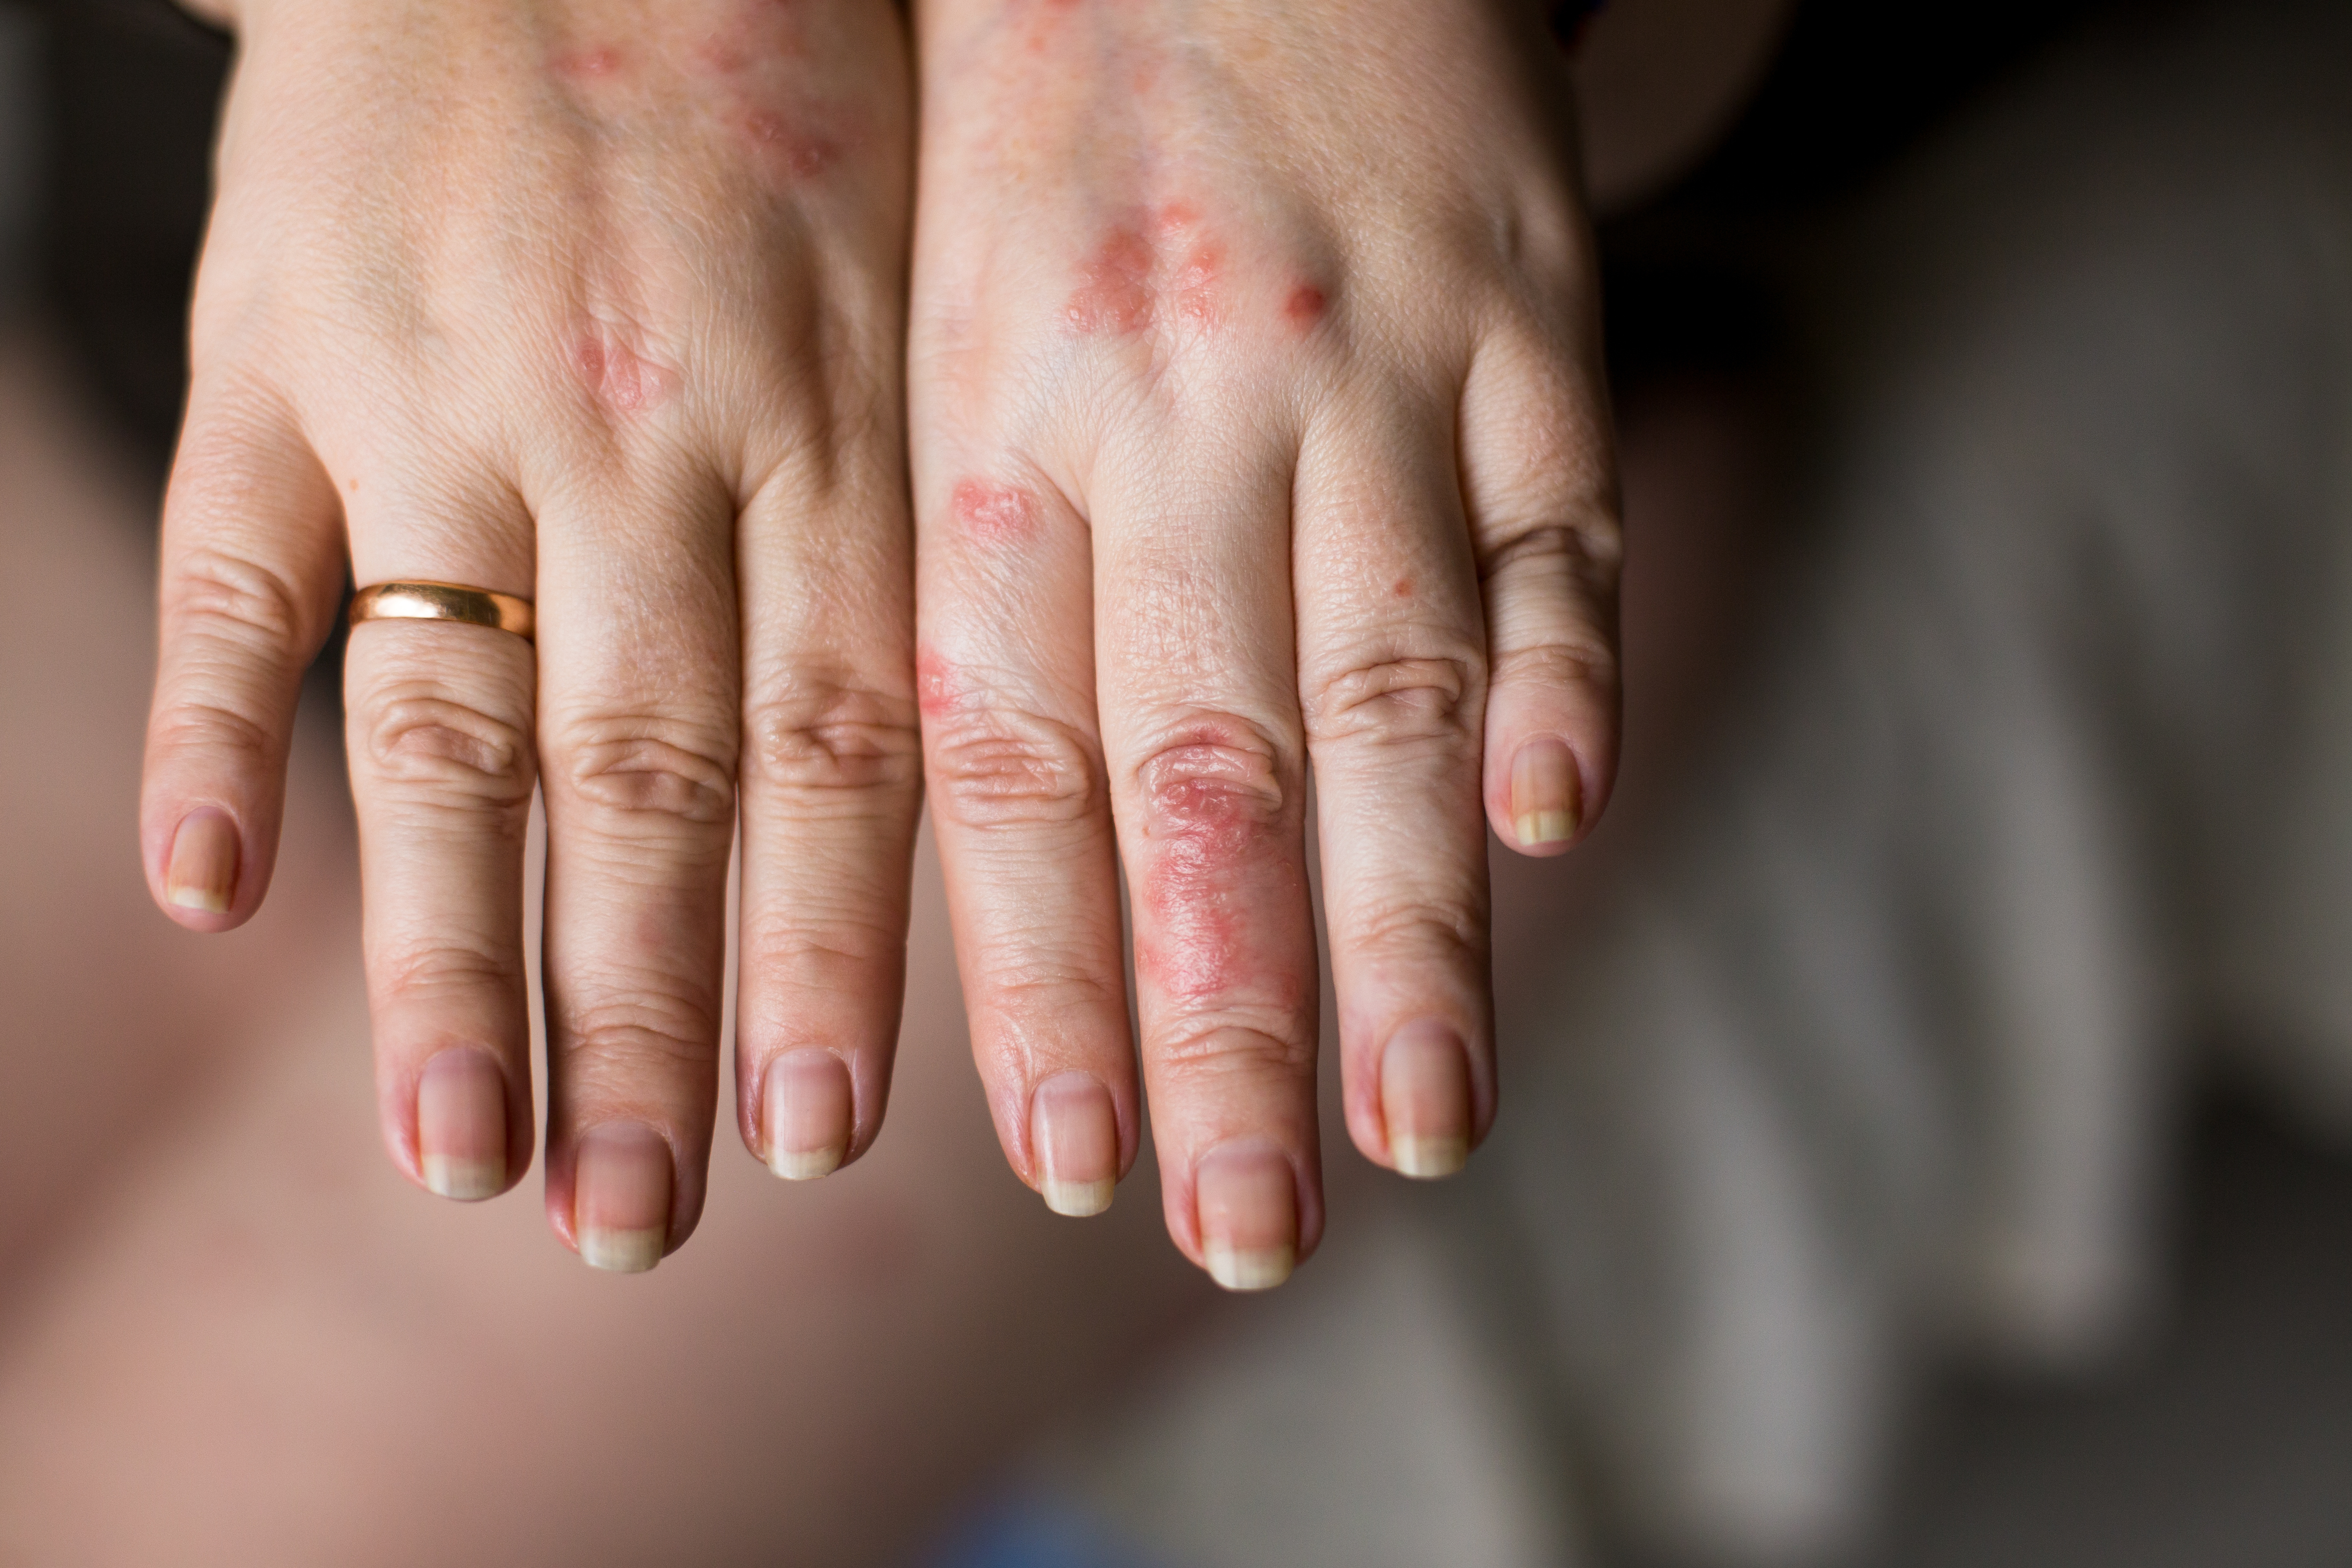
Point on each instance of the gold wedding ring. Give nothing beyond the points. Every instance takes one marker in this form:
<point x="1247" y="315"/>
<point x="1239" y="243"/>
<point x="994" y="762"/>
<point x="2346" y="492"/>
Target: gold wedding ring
<point x="444" y="602"/>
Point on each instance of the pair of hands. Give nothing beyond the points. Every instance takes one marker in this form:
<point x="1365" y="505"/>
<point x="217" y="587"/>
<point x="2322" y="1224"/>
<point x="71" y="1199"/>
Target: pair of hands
<point x="1248" y="372"/>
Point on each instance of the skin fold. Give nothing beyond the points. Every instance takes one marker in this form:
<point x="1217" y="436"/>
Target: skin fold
<point x="1250" y="381"/>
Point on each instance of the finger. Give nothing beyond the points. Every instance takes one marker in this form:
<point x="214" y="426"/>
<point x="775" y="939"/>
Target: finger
<point x="1022" y="815"/>
<point x="438" y="729"/>
<point x="639" y="725"/>
<point x="1201" y="728"/>
<point x="831" y="784"/>
<point x="1539" y="481"/>
<point x="252" y="569"/>
<point x="1392" y="681"/>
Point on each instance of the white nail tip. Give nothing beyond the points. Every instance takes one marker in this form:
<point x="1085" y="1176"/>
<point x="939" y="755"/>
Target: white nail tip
<point x="1424" y="1159"/>
<point x="467" y="1181"/>
<point x="1256" y="1270"/>
<point x="803" y="1165"/>
<point x="203" y="898"/>
<point x="622" y="1251"/>
<point x="1077" y="1199"/>
<point x="1540" y="828"/>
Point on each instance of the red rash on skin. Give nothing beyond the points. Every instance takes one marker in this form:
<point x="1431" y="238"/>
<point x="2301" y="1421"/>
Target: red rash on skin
<point x="992" y="513"/>
<point x="935" y="683"/>
<point x="1218" y="889"/>
<point x="1403" y="589"/>
<point x="1121" y="283"/>
<point x="622" y="379"/>
<point x="1304" y="307"/>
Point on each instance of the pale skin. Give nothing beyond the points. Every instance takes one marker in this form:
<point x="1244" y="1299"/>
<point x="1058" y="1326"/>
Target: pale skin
<point x="1254" y="413"/>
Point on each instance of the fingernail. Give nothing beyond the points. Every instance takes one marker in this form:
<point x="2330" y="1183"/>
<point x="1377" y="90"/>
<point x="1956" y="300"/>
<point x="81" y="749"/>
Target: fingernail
<point x="202" y="873"/>
<point x="461" y="1125"/>
<point x="1425" y="1096"/>
<point x="1248" y="1207"/>
<point x="1544" y="790"/>
<point x="806" y="1117"/>
<point x="1076" y="1134"/>
<point x="620" y="1197"/>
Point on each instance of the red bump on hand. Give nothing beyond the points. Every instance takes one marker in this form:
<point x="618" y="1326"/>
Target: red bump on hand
<point x="1304" y="307"/>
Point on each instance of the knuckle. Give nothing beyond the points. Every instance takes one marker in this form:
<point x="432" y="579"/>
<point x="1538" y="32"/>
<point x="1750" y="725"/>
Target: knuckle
<point x="420" y="737"/>
<point x="644" y="766"/>
<point x="427" y="969"/>
<point x="196" y="725"/>
<point x="1445" y="929"/>
<point x="823" y="736"/>
<point x="1000" y="766"/>
<point x="649" y="1030"/>
<point x="216" y="594"/>
<point x="1219" y="776"/>
<point x="1583" y="660"/>
<point x="1228" y="1046"/>
<point x="1399" y="699"/>
<point x="1590" y="551"/>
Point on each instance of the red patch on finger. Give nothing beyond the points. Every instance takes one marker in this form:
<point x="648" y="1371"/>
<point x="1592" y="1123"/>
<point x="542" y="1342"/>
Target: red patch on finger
<point x="994" y="514"/>
<point x="937" y="690"/>
<point x="1220" y="892"/>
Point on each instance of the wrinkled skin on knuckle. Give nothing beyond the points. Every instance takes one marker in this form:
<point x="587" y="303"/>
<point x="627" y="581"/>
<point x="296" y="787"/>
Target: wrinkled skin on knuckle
<point x="644" y="1029"/>
<point x="210" y="592"/>
<point x="994" y="767"/>
<point x="1587" y="661"/>
<point x="1452" y="929"/>
<point x="641" y="768"/>
<point x="1251" y="1046"/>
<point x="426" y="968"/>
<point x="432" y="742"/>
<point x="824" y="737"/>
<point x="1401" y="699"/>
<point x="203" y="725"/>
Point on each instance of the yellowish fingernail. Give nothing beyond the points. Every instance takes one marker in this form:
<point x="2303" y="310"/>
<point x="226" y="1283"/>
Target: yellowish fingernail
<point x="1256" y="1268"/>
<point x="1543" y="793"/>
<point x="467" y="1181"/>
<point x="1077" y="1199"/>
<point x="623" y="1251"/>
<point x="203" y="871"/>
<point x="1425" y="1100"/>
<point x="1246" y="1201"/>
<point x="461" y="1125"/>
<point x="808" y="1109"/>
<point x="1073" y="1131"/>
<point x="622" y="1185"/>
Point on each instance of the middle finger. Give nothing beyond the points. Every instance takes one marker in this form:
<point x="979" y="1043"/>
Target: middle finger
<point x="1201" y="733"/>
<point x="639" y="731"/>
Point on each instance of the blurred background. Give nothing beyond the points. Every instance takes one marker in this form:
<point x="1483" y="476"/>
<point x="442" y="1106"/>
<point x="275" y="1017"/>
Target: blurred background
<point x="1929" y="1134"/>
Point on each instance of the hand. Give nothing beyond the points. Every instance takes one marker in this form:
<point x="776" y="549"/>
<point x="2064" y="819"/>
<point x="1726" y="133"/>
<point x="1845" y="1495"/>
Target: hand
<point x="1257" y="423"/>
<point x="599" y="304"/>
